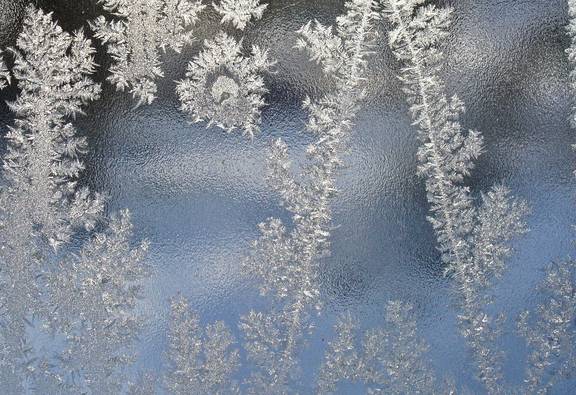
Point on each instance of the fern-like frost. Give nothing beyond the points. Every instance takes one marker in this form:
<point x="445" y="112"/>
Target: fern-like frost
<point x="390" y="360"/>
<point x="4" y="74"/>
<point x="134" y="40"/>
<point x="287" y="259"/>
<point x="80" y="303"/>
<point x="473" y="239"/>
<point x="240" y="12"/>
<point x="202" y="360"/>
<point x="551" y="332"/>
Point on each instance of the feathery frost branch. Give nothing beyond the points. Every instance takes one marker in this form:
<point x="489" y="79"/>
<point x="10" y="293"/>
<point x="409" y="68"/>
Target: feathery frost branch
<point x="391" y="360"/>
<point x="39" y="168"/>
<point x="4" y="73"/>
<point x="134" y="40"/>
<point x="473" y="241"/>
<point x="84" y="301"/>
<point x="287" y="260"/>
<point x="225" y="87"/>
<point x="93" y="298"/>
<point x="551" y="334"/>
<point x="203" y="360"/>
<point x="239" y="12"/>
<point x="571" y="52"/>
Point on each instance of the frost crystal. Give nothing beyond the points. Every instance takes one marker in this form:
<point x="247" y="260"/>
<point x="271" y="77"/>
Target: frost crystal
<point x="287" y="259"/>
<point x="4" y="74"/>
<point x="80" y="304"/>
<point x="224" y="87"/>
<point x="551" y="334"/>
<point x="94" y="295"/>
<point x="473" y="241"/>
<point x="133" y="41"/>
<point x="239" y="12"/>
<point x="203" y="360"/>
<point x="51" y="67"/>
<point x="390" y="360"/>
<point x="571" y="51"/>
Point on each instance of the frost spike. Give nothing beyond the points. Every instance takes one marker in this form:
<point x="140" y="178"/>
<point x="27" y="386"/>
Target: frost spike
<point x="473" y="240"/>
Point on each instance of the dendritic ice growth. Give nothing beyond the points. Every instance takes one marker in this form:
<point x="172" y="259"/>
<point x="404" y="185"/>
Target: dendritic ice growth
<point x="134" y="40"/>
<point x="203" y="360"/>
<point x="390" y="360"/>
<point x="240" y="12"/>
<point x="4" y="74"/>
<point x="473" y="238"/>
<point x="79" y="299"/>
<point x="287" y="259"/>
<point x="225" y="87"/>
<point x="551" y="332"/>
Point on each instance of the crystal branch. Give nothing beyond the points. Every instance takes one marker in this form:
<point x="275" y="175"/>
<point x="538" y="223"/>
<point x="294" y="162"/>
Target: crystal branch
<point x="240" y="12"/>
<point x="473" y="241"/>
<point x="4" y="74"/>
<point x="203" y="360"/>
<point x="550" y="333"/>
<point x="94" y="296"/>
<point x="134" y="40"/>
<point x="287" y="260"/>
<point x="390" y="360"/>
<point x="39" y="202"/>
<point x="85" y="299"/>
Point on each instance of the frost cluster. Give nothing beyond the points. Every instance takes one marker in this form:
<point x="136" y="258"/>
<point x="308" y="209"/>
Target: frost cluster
<point x="473" y="238"/>
<point x="202" y="360"/>
<point x="134" y="38"/>
<point x="224" y="84"/>
<point x="287" y="258"/>
<point x="225" y="87"/>
<point x="391" y="358"/>
<point x="80" y="300"/>
<point x="240" y="12"/>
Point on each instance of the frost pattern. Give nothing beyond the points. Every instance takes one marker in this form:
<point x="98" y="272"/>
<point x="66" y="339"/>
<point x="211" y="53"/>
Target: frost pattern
<point x="203" y="360"/>
<point x="134" y="40"/>
<point x="48" y="290"/>
<point x="239" y="12"/>
<point x="473" y="240"/>
<point x="43" y="149"/>
<point x="551" y="333"/>
<point x="224" y="87"/>
<point x="390" y="360"/>
<point x="94" y="295"/>
<point x="287" y="259"/>
<point x="571" y="52"/>
<point x="4" y="74"/>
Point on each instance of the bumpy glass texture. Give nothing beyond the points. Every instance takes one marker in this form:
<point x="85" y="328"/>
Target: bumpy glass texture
<point x="198" y="194"/>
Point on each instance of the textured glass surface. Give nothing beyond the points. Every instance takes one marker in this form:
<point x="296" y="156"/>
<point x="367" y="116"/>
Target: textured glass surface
<point x="198" y="194"/>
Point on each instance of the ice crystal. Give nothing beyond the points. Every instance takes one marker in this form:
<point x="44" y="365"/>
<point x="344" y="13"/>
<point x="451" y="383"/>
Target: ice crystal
<point x="473" y="241"/>
<point x="93" y="298"/>
<point x="239" y="12"/>
<point x="571" y="51"/>
<point x="203" y="360"/>
<point x="81" y="303"/>
<point x="551" y="333"/>
<point x="52" y="68"/>
<point x="145" y="385"/>
<point x="287" y="259"/>
<point x="4" y="74"/>
<point x="390" y="360"/>
<point x="225" y="87"/>
<point x="39" y="203"/>
<point x="134" y="40"/>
